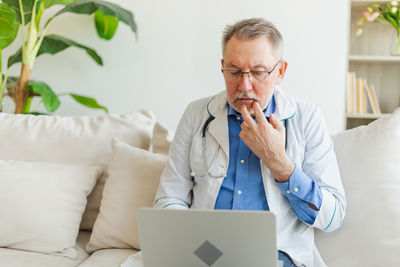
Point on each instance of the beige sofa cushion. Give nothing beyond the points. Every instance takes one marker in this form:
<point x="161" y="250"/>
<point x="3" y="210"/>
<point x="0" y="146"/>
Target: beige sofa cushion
<point x="133" y="181"/>
<point x="41" y="205"/>
<point x="76" y="140"/>
<point x="369" y="162"/>
<point x="108" y="258"/>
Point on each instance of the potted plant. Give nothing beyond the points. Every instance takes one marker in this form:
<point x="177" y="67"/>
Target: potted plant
<point x="27" y="15"/>
<point x="388" y="14"/>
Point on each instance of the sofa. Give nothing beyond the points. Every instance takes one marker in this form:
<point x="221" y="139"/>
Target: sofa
<point x="70" y="187"/>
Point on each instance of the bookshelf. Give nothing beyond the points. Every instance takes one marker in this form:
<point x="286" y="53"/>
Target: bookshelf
<point x="370" y="58"/>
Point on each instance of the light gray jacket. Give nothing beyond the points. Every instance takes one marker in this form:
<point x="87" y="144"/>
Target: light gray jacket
<point x="186" y="182"/>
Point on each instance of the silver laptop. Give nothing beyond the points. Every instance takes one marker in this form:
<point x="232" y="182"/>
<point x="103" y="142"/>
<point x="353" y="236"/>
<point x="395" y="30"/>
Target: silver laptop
<point x="201" y="238"/>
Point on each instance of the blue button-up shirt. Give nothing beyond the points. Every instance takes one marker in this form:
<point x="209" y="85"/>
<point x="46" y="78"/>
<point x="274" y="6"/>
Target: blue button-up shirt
<point x="243" y="187"/>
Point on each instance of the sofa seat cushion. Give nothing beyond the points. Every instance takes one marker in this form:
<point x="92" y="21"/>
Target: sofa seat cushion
<point x="108" y="257"/>
<point x="17" y="258"/>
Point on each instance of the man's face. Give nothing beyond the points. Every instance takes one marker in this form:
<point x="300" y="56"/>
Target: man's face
<point x="255" y="55"/>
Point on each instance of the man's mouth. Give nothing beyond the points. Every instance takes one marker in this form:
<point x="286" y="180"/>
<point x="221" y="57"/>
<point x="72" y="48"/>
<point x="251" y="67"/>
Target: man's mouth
<point x="246" y="101"/>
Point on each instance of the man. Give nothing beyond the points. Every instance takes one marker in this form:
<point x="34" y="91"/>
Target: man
<point x="253" y="147"/>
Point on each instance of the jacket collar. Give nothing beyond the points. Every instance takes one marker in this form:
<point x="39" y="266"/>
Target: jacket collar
<point x="285" y="105"/>
<point x="218" y="128"/>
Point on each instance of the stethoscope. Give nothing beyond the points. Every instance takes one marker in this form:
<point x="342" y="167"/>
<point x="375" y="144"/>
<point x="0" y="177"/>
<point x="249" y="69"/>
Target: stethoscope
<point x="203" y="132"/>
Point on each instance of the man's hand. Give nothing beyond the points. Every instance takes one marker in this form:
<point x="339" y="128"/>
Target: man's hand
<point x="267" y="141"/>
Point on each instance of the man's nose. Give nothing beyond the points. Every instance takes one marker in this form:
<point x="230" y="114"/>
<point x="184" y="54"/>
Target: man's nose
<point x="245" y="82"/>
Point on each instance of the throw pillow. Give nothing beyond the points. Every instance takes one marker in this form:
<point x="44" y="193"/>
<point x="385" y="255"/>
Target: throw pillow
<point x="41" y="205"/>
<point x="162" y="139"/>
<point x="134" y="175"/>
<point x="73" y="140"/>
<point x="369" y="162"/>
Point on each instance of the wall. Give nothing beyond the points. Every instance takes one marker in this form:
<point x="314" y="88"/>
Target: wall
<point x="176" y="57"/>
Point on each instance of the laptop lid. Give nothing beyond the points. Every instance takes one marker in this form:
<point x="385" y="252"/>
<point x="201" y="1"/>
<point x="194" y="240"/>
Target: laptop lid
<point x="200" y="238"/>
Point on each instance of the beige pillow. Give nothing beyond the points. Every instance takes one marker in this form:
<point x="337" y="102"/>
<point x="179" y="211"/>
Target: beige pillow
<point x="162" y="139"/>
<point x="134" y="175"/>
<point x="369" y="163"/>
<point x="41" y="205"/>
<point x="73" y="140"/>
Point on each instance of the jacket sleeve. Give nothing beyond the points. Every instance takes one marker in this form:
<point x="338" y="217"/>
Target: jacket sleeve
<point x="320" y="164"/>
<point x="176" y="184"/>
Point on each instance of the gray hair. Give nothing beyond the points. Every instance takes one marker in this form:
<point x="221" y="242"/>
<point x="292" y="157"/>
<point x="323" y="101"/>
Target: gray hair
<point x="252" y="28"/>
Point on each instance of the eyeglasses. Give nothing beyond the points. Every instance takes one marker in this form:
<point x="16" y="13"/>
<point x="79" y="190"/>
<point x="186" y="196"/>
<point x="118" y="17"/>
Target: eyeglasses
<point x="254" y="75"/>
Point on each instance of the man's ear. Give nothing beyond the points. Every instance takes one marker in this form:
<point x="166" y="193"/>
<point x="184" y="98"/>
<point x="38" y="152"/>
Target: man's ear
<point x="281" y="71"/>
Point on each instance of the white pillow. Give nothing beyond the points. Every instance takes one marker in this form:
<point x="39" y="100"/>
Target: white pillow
<point x="41" y="205"/>
<point x="162" y="139"/>
<point x="369" y="162"/>
<point x="73" y="140"/>
<point x="134" y="175"/>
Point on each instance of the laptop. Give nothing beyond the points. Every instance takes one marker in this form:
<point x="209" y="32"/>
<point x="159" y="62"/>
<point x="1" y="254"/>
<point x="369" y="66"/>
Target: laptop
<point x="201" y="238"/>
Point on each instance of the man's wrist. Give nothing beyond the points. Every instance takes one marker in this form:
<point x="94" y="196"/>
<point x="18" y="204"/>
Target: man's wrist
<point x="282" y="170"/>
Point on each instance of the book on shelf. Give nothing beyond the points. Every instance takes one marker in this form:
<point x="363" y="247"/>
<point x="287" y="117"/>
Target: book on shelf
<point x="358" y="94"/>
<point x="351" y="79"/>
<point x="363" y="96"/>
<point x="373" y="99"/>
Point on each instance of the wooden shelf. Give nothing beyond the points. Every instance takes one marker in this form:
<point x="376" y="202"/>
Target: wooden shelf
<point x="374" y="58"/>
<point x="371" y="1"/>
<point x="366" y="116"/>
<point x="370" y="59"/>
<point x="364" y="3"/>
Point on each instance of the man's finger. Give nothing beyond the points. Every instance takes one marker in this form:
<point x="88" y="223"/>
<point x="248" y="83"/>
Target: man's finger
<point x="243" y="136"/>
<point x="259" y="113"/>
<point x="275" y="123"/>
<point x="246" y="117"/>
<point x="244" y="126"/>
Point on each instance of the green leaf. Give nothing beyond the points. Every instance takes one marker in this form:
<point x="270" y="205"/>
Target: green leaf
<point x="389" y="7"/>
<point x="392" y="21"/>
<point x="88" y="102"/>
<point x="91" y="6"/>
<point x="8" y="25"/>
<point x="50" y="99"/>
<point x="39" y="16"/>
<point x="27" y="6"/>
<point x="53" y="44"/>
<point x="15" y="58"/>
<point x="12" y="79"/>
<point x="49" y="3"/>
<point x="106" y="25"/>
<point x="27" y="105"/>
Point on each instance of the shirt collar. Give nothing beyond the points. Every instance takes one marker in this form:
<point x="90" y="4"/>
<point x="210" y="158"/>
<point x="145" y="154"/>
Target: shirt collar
<point x="267" y="112"/>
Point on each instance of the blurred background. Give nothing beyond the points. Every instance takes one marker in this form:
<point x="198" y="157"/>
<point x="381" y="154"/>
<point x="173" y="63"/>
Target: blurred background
<point x="176" y="56"/>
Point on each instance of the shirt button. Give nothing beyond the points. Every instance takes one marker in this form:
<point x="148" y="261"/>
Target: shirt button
<point x="193" y="174"/>
<point x="239" y="192"/>
<point x="242" y="161"/>
<point x="288" y="191"/>
<point x="296" y="189"/>
<point x="238" y="118"/>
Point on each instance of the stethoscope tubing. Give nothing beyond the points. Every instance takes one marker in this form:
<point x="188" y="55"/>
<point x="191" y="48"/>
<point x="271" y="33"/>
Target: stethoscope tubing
<point x="204" y="129"/>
